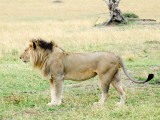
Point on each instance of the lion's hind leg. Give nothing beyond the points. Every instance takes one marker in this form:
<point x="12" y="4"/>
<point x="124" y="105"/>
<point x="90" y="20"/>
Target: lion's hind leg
<point x="117" y="84"/>
<point x="105" y="80"/>
<point x="105" y="89"/>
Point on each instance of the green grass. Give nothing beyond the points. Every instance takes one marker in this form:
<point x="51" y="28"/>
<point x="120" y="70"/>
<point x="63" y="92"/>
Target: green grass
<point x="24" y="95"/>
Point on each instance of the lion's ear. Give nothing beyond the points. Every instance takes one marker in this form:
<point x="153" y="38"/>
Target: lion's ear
<point x="34" y="45"/>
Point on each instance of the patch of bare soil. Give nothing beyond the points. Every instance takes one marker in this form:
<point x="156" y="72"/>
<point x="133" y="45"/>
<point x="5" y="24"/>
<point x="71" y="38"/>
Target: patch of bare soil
<point x="57" y="1"/>
<point x="27" y="112"/>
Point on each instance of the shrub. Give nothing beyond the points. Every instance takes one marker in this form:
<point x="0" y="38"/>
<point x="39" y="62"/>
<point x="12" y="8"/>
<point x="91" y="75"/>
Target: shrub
<point x="131" y="15"/>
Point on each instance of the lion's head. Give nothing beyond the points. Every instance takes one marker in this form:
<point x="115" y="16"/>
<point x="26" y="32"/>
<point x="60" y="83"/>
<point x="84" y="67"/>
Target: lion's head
<point x="36" y="51"/>
<point x="25" y="56"/>
<point x="40" y="54"/>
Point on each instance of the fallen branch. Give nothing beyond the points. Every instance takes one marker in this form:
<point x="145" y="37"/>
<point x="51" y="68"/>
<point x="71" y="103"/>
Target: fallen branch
<point x="136" y="19"/>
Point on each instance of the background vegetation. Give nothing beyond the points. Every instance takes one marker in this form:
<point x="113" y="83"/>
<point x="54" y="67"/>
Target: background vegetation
<point x="24" y="93"/>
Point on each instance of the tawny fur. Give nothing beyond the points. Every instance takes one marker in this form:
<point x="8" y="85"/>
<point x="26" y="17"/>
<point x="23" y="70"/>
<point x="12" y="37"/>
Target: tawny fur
<point x="58" y="65"/>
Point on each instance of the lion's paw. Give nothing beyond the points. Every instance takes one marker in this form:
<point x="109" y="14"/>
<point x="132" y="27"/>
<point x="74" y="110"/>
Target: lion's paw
<point x="119" y="103"/>
<point x="50" y="104"/>
<point x="98" y="103"/>
<point x="54" y="103"/>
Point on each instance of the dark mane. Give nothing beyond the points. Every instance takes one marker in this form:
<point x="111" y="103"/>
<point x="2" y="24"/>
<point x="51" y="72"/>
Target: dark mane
<point x="44" y="45"/>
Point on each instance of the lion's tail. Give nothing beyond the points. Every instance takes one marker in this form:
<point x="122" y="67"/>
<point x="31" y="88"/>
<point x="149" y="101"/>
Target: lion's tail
<point x="150" y="76"/>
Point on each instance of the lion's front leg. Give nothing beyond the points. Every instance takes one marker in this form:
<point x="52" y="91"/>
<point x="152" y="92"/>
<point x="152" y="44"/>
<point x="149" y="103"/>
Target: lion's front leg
<point x="56" y="91"/>
<point x="52" y="88"/>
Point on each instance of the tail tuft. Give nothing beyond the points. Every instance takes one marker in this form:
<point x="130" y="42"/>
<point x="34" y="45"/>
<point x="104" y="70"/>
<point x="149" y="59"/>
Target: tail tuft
<point x="150" y="77"/>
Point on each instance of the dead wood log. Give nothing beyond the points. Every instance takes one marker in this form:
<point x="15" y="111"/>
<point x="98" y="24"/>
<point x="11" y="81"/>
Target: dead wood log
<point x="115" y="13"/>
<point x="136" y="19"/>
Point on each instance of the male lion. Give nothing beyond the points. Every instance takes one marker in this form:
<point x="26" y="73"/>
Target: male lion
<point x="58" y="65"/>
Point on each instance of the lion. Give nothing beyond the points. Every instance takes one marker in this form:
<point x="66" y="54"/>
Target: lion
<point x="58" y="65"/>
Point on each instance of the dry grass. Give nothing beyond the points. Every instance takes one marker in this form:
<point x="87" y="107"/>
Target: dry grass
<point x="70" y="25"/>
<point x="71" y="22"/>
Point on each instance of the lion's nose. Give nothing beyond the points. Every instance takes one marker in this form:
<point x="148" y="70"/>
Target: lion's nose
<point x="19" y="57"/>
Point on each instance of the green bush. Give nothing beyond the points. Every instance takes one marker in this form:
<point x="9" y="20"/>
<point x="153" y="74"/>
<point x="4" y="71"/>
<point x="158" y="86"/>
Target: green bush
<point x="131" y="15"/>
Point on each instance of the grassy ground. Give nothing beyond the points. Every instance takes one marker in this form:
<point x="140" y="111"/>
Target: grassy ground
<point x="24" y="93"/>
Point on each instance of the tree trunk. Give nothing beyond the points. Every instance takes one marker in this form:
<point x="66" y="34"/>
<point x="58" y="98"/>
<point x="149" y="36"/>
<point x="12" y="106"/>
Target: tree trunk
<point x="115" y="13"/>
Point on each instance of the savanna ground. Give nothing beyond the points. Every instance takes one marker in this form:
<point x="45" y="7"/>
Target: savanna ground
<point x="24" y="93"/>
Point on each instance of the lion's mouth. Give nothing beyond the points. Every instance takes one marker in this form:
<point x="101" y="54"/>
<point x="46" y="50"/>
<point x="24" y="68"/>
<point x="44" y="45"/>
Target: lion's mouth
<point x="25" y="61"/>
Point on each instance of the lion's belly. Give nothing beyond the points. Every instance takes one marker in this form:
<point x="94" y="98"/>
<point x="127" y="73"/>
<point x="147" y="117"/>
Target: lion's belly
<point x="80" y="76"/>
